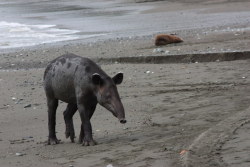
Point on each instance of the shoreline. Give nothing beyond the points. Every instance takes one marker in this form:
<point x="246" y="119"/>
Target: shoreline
<point x="163" y="59"/>
<point x="133" y="49"/>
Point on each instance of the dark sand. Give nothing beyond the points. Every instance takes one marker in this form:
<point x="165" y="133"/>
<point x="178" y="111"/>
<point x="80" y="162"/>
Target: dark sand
<point x="202" y="108"/>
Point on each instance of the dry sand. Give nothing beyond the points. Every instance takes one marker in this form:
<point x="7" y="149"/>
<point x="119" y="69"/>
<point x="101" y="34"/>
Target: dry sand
<point x="201" y="108"/>
<point x="167" y="107"/>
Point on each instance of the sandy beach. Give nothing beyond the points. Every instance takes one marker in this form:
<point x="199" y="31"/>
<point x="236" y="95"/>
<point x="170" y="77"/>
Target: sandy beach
<point x="179" y="114"/>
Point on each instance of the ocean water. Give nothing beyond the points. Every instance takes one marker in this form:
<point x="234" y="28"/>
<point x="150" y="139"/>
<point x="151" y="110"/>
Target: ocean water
<point x="14" y="35"/>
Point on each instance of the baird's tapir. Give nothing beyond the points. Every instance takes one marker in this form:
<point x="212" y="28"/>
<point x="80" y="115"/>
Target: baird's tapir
<point x="82" y="84"/>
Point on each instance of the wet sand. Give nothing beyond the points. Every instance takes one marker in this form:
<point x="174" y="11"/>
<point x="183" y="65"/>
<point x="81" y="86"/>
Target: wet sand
<point x="197" y="109"/>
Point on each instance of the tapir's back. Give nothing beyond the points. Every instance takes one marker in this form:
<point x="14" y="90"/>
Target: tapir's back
<point x="67" y="73"/>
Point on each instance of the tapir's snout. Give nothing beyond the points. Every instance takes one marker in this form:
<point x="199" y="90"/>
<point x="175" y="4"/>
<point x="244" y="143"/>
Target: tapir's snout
<point x="123" y="121"/>
<point x="118" y="111"/>
<point x="121" y="118"/>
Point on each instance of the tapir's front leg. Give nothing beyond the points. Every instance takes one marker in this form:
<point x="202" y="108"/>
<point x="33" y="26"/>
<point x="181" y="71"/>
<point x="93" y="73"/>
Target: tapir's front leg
<point x="86" y="128"/>
<point x="91" y="109"/>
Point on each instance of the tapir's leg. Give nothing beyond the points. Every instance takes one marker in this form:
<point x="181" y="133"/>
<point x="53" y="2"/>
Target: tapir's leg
<point x="52" y="106"/>
<point x="68" y="115"/>
<point x="91" y="112"/>
<point x="86" y="128"/>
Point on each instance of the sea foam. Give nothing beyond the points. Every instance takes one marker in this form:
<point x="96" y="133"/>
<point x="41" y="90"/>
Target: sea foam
<point x="20" y="35"/>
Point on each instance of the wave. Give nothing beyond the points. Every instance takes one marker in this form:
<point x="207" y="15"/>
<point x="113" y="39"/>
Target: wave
<point x="20" y="35"/>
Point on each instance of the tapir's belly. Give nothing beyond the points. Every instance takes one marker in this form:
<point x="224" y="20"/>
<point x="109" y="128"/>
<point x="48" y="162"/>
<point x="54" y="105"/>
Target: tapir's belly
<point x="64" y="89"/>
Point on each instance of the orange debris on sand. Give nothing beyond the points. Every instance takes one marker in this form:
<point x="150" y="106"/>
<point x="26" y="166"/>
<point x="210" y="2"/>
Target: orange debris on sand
<point x="164" y="39"/>
<point x="183" y="152"/>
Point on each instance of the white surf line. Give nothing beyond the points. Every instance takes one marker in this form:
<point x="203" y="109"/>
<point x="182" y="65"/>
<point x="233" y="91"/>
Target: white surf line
<point x="21" y="69"/>
<point x="206" y="148"/>
<point x="14" y="34"/>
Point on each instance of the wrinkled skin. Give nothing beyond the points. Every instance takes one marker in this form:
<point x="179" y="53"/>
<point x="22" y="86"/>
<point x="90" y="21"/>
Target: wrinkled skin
<point x="82" y="84"/>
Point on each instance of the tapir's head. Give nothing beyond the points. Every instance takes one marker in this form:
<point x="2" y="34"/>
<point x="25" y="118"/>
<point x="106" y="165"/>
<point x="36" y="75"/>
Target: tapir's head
<point x="107" y="94"/>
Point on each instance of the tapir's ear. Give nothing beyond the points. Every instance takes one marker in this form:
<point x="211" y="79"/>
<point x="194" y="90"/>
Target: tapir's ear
<point x="118" y="78"/>
<point x="97" y="79"/>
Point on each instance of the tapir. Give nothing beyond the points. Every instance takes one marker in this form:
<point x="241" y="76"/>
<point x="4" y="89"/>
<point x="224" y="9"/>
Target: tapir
<point x="82" y="84"/>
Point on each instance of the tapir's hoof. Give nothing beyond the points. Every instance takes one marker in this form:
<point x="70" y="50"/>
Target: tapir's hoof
<point x="72" y="138"/>
<point x="71" y="135"/>
<point x="53" y="141"/>
<point x="89" y="143"/>
<point x="70" y="132"/>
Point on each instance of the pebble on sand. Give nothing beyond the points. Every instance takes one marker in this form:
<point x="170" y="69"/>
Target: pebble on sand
<point x="158" y="50"/>
<point x="167" y="51"/>
<point x="109" y="165"/>
<point x="27" y="106"/>
<point x="19" y="154"/>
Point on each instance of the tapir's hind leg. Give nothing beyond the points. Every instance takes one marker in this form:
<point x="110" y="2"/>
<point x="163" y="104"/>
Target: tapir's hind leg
<point x="52" y="106"/>
<point x="68" y="115"/>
